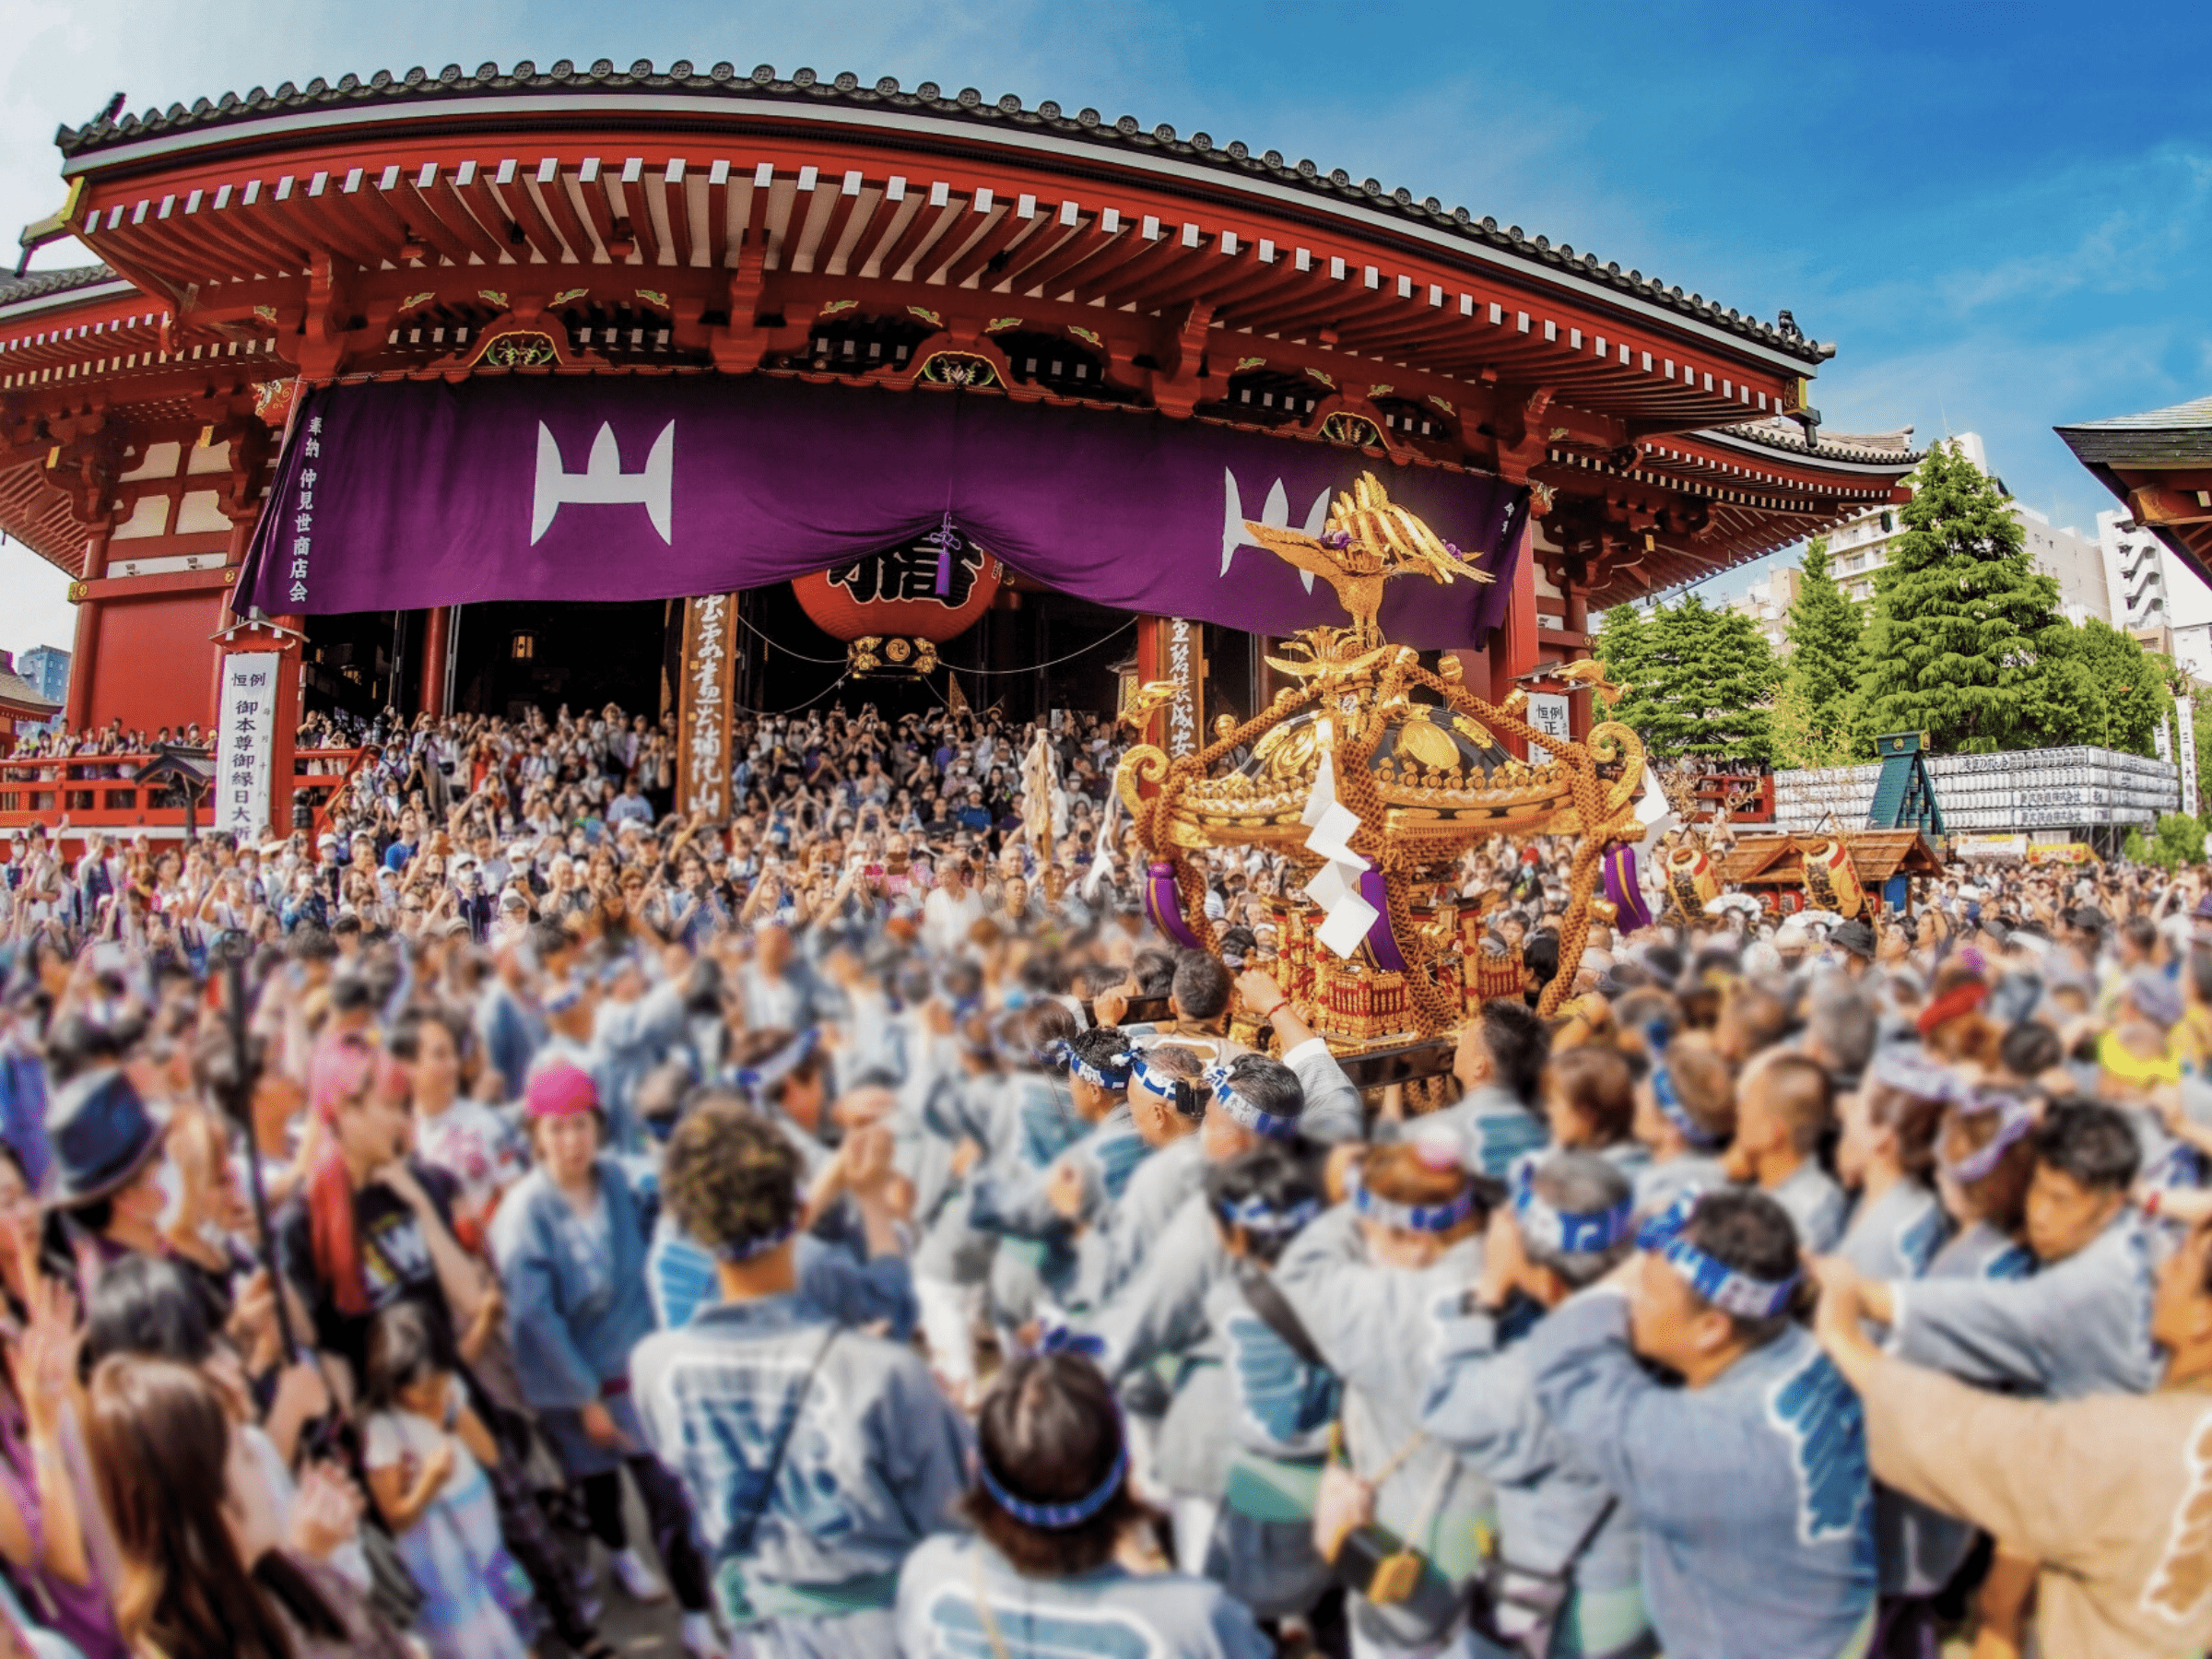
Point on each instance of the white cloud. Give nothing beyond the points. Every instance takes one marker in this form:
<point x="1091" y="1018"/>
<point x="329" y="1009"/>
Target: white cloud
<point x="37" y="610"/>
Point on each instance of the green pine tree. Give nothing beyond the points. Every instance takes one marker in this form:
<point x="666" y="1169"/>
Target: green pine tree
<point x="1826" y="662"/>
<point x="1967" y="642"/>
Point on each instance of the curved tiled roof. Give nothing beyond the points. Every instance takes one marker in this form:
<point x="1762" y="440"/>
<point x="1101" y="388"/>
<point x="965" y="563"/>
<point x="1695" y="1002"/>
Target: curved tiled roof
<point x="2178" y="436"/>
<point x="2191" y="416"/>
<point x="1785" y="434"/>
<point x="763" y="86"/>
<point x="37" y="285"/>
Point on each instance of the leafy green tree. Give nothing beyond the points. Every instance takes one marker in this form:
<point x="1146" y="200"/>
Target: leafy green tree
<point x="1966" y="635"/>
<point x="1827" y="660"/>
<point x="1700" y="681"/>
<point x="2114" y="692"/>
<point x="1801" y="739"/>
<point x="2178" y="842"/>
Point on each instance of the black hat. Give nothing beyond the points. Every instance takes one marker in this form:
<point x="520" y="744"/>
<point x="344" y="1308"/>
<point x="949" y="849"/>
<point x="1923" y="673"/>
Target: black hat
<point x="102" y="1134"/>
<point x="1855" y="938"/>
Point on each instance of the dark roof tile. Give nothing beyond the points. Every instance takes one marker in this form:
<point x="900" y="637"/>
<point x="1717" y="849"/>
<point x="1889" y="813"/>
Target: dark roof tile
<point x="928" y="99"/>
<point x="1782" y="433"/>
<point x="37" y="285"/>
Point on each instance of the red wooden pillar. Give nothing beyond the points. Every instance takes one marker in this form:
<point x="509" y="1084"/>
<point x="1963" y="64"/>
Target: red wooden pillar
<point x="243" y="521"/>
<point x="77" y="708"/>
<point x="1575" y="596"/>
<point x="1513" y="648"/>
<point x="436" y="635"/>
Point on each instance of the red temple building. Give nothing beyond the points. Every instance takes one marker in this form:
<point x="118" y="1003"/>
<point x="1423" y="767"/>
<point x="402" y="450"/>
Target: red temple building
<point x="799" y="253"/>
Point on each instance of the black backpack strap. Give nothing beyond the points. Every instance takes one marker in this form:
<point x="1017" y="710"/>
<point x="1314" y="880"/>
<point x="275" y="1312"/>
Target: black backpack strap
<point x="1274" y="1311"/>
<point x="784" y="1433"/>
<point x="1538" y="1599"/>
<point x="1597" y="1525"/>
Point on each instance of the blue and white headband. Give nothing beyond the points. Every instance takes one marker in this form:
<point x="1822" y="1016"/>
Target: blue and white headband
<point x="1727" y="1289"/>
<point x="1159" y="1085"/>
<point x="1414" y="1217"/>
<point x="1667" y="1096"/>
<point x="753" y="1248"/>
<point x="1057" y="1517"/>
<point x="1566" y="1232"/>
<point x="1909" y="1071"/>
<point x="1669" y="1101"/>
<point x="1113" y="1074"/>
<point x="1254" y="1216"/>
<point x="2015" y="1123"/>
<point x="779" y="1065"/>
<point x="1243" y="1112"/>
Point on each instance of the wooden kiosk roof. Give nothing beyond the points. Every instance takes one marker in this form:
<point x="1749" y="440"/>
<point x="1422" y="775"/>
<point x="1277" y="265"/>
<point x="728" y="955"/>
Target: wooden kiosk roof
<point x="1876" y="855"/>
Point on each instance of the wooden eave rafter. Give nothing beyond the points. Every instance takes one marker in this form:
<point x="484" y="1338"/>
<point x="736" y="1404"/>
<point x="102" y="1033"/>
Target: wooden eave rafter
<point x="2174" y="502"/>
<point x="1419" y="309"/>
<point x="1751" y="502"/>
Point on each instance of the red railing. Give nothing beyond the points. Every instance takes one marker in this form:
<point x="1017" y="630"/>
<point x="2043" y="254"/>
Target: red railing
<point x="72" y="793"/>
<point x="318" y="776"/>
<point x="1716" y="790"/>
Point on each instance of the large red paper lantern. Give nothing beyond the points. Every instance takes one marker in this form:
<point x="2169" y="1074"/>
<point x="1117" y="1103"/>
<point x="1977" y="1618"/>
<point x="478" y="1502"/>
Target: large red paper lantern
<point x="931" y="588"/>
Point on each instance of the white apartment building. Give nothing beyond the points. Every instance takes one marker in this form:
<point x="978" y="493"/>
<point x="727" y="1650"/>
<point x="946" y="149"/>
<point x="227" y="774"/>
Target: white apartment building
<point x="2155" y="596"/>
<point x="1767" y="602"/>
<point x="1859" y="547"/>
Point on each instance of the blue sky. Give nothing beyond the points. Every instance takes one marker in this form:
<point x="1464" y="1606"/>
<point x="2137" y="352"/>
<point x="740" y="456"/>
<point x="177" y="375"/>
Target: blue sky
<point x="1999" y="211"/>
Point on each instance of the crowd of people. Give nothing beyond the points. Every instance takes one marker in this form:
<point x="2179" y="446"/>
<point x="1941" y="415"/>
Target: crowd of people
<point x="859" y="1230"/>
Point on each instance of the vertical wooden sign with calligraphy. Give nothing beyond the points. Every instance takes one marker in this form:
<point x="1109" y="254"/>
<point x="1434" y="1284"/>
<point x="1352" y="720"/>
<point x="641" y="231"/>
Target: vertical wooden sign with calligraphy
<point x="1174" y="648"/>
<point x="703" y="780"/>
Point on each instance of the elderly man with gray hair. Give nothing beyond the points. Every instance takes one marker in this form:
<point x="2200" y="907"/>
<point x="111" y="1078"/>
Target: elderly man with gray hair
<point x="1841" y="1028"/>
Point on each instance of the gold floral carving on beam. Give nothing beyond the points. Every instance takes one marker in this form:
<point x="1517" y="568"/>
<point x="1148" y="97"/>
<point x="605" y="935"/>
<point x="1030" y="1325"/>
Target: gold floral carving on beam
<point x="1417" y="756"/>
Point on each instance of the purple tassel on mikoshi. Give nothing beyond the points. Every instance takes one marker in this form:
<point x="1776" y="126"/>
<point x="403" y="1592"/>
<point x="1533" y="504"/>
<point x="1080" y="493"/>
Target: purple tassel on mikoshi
<point x="947" y="538"/>
<point x="1164" y="900"/>
<point x="1623" y="888"/>
<point x="1382" y="938"/>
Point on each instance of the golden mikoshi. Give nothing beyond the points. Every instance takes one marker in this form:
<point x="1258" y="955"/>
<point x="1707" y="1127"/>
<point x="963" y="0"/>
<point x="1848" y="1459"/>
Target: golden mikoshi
<point x="1415" y="757"/>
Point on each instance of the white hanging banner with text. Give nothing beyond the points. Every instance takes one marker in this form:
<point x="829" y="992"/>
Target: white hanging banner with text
<point x="246" y="743"/>
<point x="1547" y="713"/>
<point x="2185" y="713"/>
